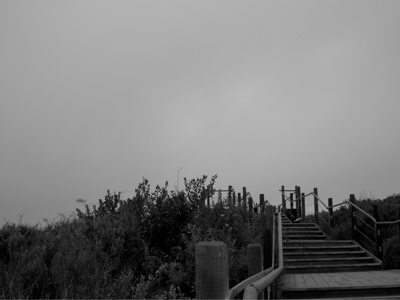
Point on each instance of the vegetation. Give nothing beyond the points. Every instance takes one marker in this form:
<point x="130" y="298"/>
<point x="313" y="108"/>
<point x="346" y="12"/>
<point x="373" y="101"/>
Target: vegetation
<point x="137" y="248"/>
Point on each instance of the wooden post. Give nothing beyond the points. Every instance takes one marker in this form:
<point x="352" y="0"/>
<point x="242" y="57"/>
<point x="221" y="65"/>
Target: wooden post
<point x="262" y="203"/>
<point x="298" y="201"/>
<point x="267" y="236"/>
<point x="291" y="207"/>
<point x="353" y="218"/>
<point x="316" y="206"/>
<point x="283" y="197"/>
<point x="303" y="207"/>
<point x="239" y="201"/>
<point x="330" y="201"/>
<point x="251" y="205"/>
<point x="255" y="261"/>
<point x="212" y="275"/>
<point x="234" y="199"/>
<point x="244" y="199"/>
<point x="398" y="218"/>
<point x="229" y="196"/>
<point x="378" y="232"/>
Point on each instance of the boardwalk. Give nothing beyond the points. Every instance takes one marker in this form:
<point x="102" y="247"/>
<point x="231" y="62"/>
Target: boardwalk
<point x="383" y="282"/>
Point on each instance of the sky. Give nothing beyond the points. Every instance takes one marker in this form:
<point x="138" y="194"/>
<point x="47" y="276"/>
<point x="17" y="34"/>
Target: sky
<point x="96" y="95"/>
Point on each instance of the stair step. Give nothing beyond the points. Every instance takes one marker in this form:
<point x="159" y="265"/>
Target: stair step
<point x="331" y="261"/>
<point x="300" y="228"/>
<point x="316" y="243"/>
<point x="331" y="268"/>
<point x="299" y="225"/>
<point x="300" y="249"/>
<point x="307" y="237"/>
<point x="333" y="254"/>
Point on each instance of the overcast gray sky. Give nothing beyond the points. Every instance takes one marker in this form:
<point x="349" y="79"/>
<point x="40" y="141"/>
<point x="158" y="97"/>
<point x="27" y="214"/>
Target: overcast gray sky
<point x="95" y="95"/>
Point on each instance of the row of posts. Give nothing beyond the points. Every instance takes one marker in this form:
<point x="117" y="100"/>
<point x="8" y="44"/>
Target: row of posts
<point x="241" y="199"/>
<point x="212" y="271"/>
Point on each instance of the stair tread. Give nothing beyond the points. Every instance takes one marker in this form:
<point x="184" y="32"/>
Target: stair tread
<point x="333" y="265"/>
<point x="324" y="253"/>
<point x="328" y="259"/>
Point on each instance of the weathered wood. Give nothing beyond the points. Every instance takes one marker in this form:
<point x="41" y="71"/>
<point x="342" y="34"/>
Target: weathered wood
<point x="262" y="203"/>
<point x="239" y="200"/>
<point x="378" y="232"/>
<point x="353" y="218"/>
<point x="398" y="218"/>
<point x="298" y="201"/>
<point x="250" y="206"/>
<point x="230" y="196"/>
<point x="303" y="207"/>
<point x="244" y="198"/>
<point x="283" y="197"/>
<point x="212" y="276"/>
<point x="267" y="236"/>
<point x="234" y="199"/>
<point x="291" y="207"/>
<point x="316" y="216"/>
<point x="254" y="259"/>
<point x="330" y="201"/>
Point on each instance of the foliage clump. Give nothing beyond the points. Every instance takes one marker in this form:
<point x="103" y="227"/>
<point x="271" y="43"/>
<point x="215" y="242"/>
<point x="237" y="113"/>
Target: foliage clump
<point x="141" y="247"/>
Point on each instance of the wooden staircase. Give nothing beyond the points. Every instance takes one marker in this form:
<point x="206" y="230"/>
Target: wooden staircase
<point x="307" y="250"/>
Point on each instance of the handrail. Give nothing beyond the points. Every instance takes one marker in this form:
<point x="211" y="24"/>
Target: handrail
<point x="252" y="290"/>
<point x="233" y="292"/>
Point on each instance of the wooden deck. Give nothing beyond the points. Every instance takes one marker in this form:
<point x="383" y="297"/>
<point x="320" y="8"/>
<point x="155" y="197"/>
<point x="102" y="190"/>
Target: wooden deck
<point x="317" y="285"/>
<point x="346" y="279"/>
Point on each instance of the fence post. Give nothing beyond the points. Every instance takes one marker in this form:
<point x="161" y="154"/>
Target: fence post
<point x="267" y="236"/>
<point x="316" y="206"/>
<point x="229" y="196"/>
<point x="303" y="207"/>
<point x="298" y="201"/>
<point x="255" y="261"/>
<point x="283" y="197"/>
<point x="262" y="203"/>
<point x="353" y="217"/>
<point x="244" y="199"/>
<point x="330" y="203"/>
<point x="212" y="276"/>
<point x="291" y="207"/>
<point x="398" y="218"/>
<point x="378" y="232"/>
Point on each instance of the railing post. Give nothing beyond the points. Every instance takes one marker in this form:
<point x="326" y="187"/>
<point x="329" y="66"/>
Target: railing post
<point x="283" y="197"/>
<point x="378" y="232"/>
<point x="316" y="206"/>
<point x="353" y="218"/>
<point x="255" y="261"/>
<point x="262" y="203"/>
<point x="398" y="218"/>
<point x="244" y="199"/>
<point x="267" y="236"/>
<point x="291" y="207"/>
<point x="212" y="276"/>
<point x="229" y="196"/>
<point x="298" y="201"/>
<point x="303" y="207"/>
<point x="330" y="201"/>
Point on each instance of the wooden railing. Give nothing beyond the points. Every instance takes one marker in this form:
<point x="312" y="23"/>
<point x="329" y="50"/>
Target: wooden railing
<point x="374" y="224"/>
<point x="212" y="275"/>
